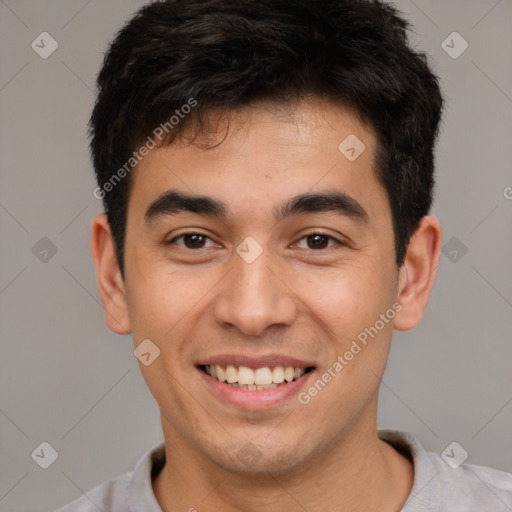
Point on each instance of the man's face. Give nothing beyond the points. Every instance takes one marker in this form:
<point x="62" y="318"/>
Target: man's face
<point x="199" y="289"/>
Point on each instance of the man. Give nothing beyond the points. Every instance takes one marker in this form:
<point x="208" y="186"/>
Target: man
<point x="266" y="169"/>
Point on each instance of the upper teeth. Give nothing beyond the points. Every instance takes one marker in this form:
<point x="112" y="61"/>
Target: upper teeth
<point x="259" y="377"/>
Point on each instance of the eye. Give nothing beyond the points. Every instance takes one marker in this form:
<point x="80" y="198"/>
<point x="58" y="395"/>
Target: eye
<point x="314" y="241"/>
<point x="317" y="241"/>
<point x="191" y="240"/>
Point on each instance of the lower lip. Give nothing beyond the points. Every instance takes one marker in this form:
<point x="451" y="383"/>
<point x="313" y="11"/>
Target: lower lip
<point x="255" y="399"/>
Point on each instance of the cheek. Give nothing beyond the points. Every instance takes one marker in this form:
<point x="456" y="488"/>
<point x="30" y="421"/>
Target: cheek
<point x="157" y="298"/>
<point x="348" y="297"/>
<point x="166" y="304"/>
<point x="348" y="304"/>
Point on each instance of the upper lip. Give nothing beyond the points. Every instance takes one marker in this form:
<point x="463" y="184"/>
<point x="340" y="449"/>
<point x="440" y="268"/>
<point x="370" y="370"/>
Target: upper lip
<point x="270" y="360"/>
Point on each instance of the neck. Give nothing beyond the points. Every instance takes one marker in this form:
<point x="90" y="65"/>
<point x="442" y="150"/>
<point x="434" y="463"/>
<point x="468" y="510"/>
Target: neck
<point x="360" y="472"/>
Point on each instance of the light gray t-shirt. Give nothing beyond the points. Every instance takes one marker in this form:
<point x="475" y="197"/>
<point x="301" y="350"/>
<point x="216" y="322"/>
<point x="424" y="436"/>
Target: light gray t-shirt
<point x="437" y="486"/>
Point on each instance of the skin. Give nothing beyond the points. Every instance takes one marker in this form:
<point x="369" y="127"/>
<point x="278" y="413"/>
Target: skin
<point x="293" y="299"/>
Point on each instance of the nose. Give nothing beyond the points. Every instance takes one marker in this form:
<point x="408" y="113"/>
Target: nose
<point x="255" y="296"/>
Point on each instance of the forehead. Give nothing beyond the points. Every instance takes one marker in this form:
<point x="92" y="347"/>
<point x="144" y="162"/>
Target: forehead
<point x="260" y="156"/>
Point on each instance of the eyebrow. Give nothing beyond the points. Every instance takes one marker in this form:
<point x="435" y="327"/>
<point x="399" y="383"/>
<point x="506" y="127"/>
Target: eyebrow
<point x="173" y="202"/>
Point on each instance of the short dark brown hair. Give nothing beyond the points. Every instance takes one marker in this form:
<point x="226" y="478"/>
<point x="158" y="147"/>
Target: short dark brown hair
<point x="223" y="54"/>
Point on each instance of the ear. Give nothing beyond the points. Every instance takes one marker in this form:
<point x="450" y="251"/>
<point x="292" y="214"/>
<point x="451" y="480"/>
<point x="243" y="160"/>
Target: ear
<point x="108" y="276"/>
<point x="418" y="272"/>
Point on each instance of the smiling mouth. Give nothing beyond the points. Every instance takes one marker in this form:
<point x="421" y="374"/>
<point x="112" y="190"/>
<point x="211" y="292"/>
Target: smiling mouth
<point x="267" y="377"/>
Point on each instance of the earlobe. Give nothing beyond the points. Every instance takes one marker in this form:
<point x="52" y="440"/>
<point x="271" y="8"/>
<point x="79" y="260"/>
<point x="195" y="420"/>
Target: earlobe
<point x="417" y="274"/>
<point x="108" y="276"/>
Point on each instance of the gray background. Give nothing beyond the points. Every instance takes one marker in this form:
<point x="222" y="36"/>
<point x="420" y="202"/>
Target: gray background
<point x="67" y="380"/>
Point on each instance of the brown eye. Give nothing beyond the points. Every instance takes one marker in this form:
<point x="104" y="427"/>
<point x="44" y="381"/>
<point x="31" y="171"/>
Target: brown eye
<point x="191" y="240"/>
<point x="318" y="241"/>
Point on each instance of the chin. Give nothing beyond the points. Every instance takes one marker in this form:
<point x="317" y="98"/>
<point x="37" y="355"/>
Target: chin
<point x="259" y="454"/>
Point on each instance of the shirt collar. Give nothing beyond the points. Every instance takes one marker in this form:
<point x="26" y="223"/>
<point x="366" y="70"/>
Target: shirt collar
<point x="141" y="495"/>
<point x="426" y="488"/>
<point x="425" y="492"/>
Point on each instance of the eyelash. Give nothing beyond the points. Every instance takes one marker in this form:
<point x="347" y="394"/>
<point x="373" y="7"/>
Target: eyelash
<point x="314" y="233"/>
